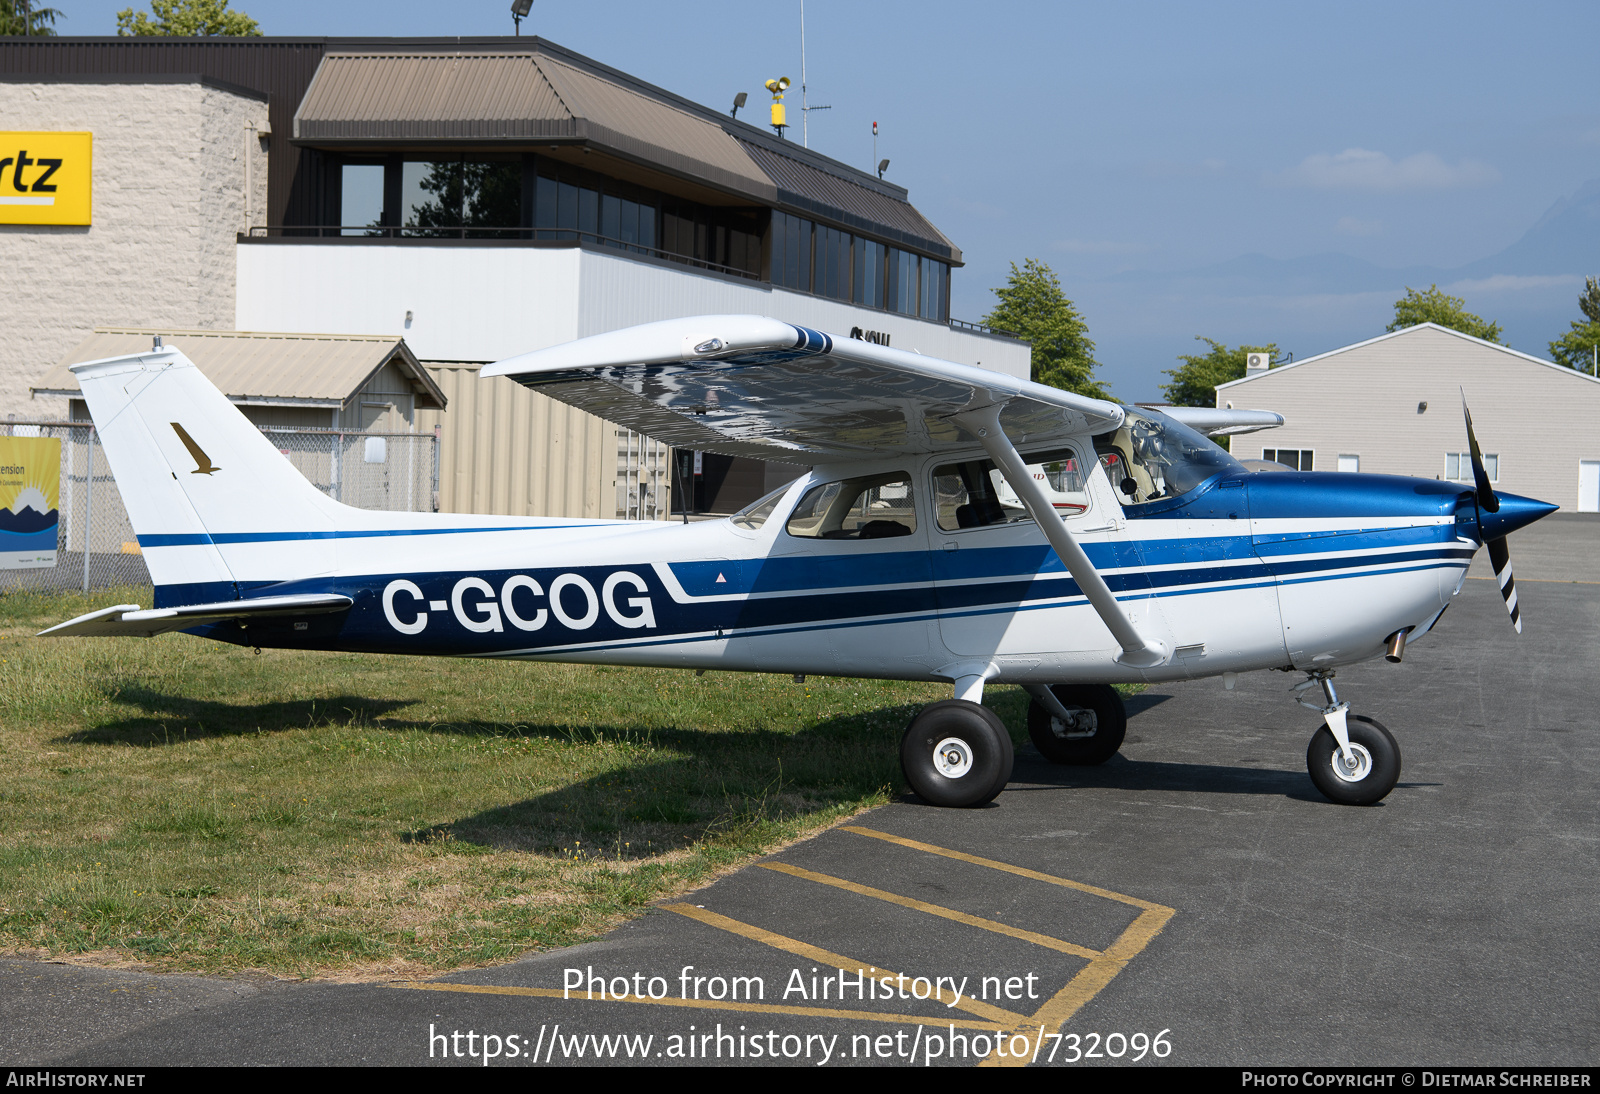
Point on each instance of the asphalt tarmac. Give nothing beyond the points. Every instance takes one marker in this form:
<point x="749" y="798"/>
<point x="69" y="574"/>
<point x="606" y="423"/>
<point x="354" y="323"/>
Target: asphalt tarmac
<point x="1194" y="901"/>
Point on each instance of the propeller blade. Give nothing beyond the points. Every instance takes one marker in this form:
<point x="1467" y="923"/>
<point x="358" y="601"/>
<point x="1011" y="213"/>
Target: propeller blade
<point x="1500" y="559"/>
<point x="1486" y="499"/>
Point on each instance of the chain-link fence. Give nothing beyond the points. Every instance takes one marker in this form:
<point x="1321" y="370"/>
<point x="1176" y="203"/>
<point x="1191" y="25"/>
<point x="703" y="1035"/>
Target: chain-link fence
<point x="394" y="471"/>
<point x="95" y="543"/>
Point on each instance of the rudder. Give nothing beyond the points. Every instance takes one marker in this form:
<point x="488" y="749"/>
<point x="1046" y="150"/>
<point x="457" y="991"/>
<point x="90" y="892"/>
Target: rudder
<point x="210" y="499"/>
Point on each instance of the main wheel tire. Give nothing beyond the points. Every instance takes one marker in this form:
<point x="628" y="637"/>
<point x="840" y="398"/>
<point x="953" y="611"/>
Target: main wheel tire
<point x="956" y="753"/>
<point x="1110" y="726"/>
<point x="1376" y="770"/>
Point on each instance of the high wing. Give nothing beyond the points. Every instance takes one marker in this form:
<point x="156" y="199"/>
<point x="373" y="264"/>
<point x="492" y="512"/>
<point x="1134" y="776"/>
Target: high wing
<point x="746" y="385"/>
<point x="1223" y="423"/>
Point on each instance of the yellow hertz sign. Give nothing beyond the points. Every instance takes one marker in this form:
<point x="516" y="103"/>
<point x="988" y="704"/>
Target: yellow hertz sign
<point x="45" y="177"/>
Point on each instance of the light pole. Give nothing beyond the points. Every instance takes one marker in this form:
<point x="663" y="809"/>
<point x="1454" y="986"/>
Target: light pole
<point x="519" y="12"/>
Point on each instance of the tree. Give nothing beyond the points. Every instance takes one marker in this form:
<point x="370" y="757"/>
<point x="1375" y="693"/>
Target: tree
<point x="21" y="17"/>
<point x="187" y="19"/>
<point x="1576" y="349"/>
<point x="1195" y="384"/>
<point x="1032" y="306"/>
<point x="1434" y="306"/>
<point x="469" y="195"/>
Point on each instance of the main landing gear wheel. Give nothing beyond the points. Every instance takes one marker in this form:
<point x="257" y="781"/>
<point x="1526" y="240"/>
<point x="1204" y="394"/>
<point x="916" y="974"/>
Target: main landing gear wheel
<point x="1371" y="773"/>
<point x="956" y="753"/>
<point x="1098" y="726"/>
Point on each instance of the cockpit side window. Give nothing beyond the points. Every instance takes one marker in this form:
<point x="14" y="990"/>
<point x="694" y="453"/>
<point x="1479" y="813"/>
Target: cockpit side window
<point x="1151" y="457"/>
<point x="754" y="515"/>
<point x="975" y="494"/>
<point x="869" y="507"/>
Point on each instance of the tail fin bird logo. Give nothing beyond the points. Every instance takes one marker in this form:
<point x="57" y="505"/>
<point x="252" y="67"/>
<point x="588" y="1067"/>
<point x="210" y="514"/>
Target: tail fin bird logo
<point x="203" y="464"/>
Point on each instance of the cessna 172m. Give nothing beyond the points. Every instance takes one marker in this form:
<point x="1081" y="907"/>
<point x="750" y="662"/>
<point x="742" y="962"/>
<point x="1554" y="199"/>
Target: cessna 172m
<point x="956" y="525"/>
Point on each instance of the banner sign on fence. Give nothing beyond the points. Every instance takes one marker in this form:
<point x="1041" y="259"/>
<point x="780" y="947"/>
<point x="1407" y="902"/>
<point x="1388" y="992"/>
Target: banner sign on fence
<point x="30" y="491"/>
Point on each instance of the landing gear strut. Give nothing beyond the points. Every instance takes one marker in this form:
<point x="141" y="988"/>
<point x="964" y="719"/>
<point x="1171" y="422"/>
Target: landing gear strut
<point x="1352" y="759"/>
<point x="1079" y="724"/>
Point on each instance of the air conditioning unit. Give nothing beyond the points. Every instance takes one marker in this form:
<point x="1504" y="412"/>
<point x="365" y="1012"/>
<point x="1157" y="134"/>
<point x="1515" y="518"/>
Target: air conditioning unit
<point x="1257" y="362"/>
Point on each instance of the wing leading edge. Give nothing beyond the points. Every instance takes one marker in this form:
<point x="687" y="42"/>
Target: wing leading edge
<point x="745" y="385"/>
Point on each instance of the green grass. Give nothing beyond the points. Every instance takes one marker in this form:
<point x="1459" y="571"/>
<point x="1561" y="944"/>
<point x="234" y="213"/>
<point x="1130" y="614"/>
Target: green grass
<point x="193" y="805"/>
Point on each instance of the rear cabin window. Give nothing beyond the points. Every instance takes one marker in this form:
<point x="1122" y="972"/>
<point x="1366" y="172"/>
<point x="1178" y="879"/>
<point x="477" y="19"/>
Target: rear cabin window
<point x="871" y="507"/>
<point x="975" y="494"/>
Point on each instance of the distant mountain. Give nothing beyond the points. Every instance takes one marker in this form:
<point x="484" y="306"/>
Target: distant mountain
<point x="1143" y="318"/>
<point x="1566" y="240"/>
<point x="1329" y="272"/>
<point x="28" y="521"/>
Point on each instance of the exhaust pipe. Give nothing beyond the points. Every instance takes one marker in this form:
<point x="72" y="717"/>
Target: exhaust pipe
<point x="1396" y="643"/>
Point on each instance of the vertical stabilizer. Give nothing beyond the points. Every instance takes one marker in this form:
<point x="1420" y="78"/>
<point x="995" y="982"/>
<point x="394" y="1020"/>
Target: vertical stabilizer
<point x="213" y="503"/>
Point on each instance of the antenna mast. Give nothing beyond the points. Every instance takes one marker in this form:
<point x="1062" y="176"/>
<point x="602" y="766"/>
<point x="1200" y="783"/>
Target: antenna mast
<point x="805" y="110"/>
<point x="805" y="107"/>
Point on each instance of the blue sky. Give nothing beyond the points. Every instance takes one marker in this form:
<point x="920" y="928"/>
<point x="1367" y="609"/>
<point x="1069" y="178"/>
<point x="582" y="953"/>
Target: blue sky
<point x="1136" y="146"/>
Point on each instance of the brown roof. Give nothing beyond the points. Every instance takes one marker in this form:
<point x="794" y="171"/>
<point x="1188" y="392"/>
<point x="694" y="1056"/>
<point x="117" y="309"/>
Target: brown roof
<point x="647" y="128"/>
<point x="821" y="192"/>
<point x="550" y="94"/>
<point x="430" y="96"/>
<point x="313" y="369"/>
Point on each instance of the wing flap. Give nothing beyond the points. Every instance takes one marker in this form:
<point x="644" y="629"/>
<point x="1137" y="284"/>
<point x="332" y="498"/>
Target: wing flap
<point x="128" y="620"/>
<point x="752" y="386"/>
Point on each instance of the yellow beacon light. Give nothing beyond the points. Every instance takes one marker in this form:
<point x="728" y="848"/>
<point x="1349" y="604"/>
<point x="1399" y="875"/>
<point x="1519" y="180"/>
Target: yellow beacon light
<point x="780" y="120"/>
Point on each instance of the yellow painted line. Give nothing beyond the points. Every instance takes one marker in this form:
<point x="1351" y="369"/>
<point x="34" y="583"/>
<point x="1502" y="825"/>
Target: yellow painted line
<point x="712" y="1004"/>
<point x="1059" y="1008"/>
<point x="824" y="957"/>
<point x="1102" y="965"/>
<point x="1092" y="978"/>
<point x="933" y="909"/>
<point x="1020" y="871"/>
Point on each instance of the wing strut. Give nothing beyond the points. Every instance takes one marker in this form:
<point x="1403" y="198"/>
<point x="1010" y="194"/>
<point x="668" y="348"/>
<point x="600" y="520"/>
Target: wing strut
<point x="1137" y="651"/>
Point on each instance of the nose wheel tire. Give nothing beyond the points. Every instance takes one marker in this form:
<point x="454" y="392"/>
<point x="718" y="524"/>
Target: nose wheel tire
<point x="1368" y="776"/>
<point x="1098" y="726"/>
<point x="956" y="753"/>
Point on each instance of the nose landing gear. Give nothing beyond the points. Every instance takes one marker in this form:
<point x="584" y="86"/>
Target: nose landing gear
<point x="1353" y="760"/>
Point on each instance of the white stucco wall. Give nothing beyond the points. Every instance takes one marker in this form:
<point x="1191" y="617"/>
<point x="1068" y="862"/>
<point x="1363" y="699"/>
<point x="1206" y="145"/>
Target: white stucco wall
<point x="484" y="303"/>
<point x="168" y="200"/>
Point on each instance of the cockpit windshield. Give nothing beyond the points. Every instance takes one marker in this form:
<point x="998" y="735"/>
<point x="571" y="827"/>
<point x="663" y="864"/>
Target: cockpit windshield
<point x="1151" y="456"/>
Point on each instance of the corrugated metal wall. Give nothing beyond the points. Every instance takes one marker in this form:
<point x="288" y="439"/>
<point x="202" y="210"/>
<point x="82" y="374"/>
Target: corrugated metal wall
<point x="511" y="451"/>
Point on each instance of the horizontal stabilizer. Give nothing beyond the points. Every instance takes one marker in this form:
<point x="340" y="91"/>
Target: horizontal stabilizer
<point x="127" y="620"/>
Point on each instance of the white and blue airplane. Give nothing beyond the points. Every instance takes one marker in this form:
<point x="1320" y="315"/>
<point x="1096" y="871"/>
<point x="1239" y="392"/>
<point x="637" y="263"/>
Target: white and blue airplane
<point x="956" y="525"/>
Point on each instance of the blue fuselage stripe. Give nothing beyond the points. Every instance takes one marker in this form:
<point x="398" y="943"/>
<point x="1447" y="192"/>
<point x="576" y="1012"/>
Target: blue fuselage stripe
<point x="203" y="539"/>
<point x="791" y="595"/>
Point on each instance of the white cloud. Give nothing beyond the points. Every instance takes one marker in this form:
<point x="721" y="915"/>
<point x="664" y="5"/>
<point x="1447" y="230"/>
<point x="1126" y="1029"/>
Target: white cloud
<point x="1099" y="247"/>
<point x="1350" y="226"/>
<point x="1360" y="169"/>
